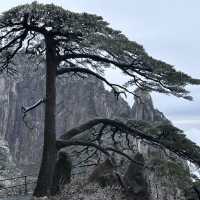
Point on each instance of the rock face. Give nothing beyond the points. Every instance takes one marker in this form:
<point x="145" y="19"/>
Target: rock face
<point x="62" y="174"/>
<point x="103" y="174"/>
<point x="161" y="185"/>
<point x="135" y="181"/>
<point x="7" y="165"/>
<point x="77" y="101"/>
<point x="8" y="169"/>
<point x="143" y="108"/>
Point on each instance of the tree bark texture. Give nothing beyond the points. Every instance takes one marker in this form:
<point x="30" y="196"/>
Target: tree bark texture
<point x="45" y="176"/>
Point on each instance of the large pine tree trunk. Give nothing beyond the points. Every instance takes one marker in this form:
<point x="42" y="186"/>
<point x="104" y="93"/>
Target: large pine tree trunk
<point x="45" y="177"/>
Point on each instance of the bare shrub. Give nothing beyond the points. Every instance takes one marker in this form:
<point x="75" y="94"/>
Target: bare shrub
<point x="82" y="190"/>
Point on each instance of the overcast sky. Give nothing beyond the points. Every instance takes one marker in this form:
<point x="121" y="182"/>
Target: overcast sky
<point x="169" y="30"/>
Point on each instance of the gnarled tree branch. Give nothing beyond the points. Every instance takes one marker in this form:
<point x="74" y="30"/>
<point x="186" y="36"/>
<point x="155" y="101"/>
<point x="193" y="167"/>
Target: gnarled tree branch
<point x="66" y="143"/>
<point x="123" y="128"/>
<point x="35" y="105"/>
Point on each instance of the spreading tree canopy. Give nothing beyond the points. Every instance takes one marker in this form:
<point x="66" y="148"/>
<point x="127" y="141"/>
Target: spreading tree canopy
<point x="87" y="41"/>
<point x="83" y="44"/>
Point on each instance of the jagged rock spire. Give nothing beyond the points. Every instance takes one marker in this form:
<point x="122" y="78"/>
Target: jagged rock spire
<point x="143" y="108"/>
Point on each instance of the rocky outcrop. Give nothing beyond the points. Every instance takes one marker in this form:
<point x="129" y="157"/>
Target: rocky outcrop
<point x="62" y="174"/>
<point x="143" y="108"/>
<point x="135" y="181"/>
<point x="161" y="184"/>
<point x="104" y="174"/>
<point x="77" y="101"/>
<point x="7" y="165"/>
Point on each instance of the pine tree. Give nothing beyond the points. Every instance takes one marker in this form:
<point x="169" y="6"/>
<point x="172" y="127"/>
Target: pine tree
<point x="78" y="43"/>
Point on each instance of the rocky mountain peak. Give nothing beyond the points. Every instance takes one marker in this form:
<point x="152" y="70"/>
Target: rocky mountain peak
<point x="143" y="108"/>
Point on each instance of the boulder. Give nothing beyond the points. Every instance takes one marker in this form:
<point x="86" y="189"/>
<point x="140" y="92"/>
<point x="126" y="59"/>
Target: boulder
<point x="62" y="172"/>
<point x="104" y="174"/>
<point x="134" y="180"/>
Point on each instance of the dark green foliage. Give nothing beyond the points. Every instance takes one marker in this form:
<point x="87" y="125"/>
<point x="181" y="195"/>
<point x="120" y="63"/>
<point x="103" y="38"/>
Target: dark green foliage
<point x="177" y="173"/>
<point x="193" y="191"/>
<point x="170" y="137"/>
<point x="91" y="41"/>
<point x="172" y="168"/>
